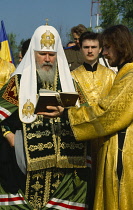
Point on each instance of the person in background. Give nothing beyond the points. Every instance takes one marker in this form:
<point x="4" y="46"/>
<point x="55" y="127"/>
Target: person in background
<point x="24" y="49"/>
<point x="20" y="56"/>
<point x="48" y="167"/>
<point x="25" y="46"/>
<point x="70" y="44"/>
<point x="73" y="54"/>
<point x="6" y="69"/>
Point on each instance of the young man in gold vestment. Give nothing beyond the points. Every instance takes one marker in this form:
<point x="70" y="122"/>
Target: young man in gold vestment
<point x="93" y="80"/>
<point x="112" y="118"/>
<point x="91" y="77"/>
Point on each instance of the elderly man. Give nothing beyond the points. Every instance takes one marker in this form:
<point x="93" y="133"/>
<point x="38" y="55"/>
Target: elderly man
<point x="48" y="168"/>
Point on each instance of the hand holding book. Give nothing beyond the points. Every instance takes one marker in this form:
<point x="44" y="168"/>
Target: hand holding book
<point x="52" y="98"/>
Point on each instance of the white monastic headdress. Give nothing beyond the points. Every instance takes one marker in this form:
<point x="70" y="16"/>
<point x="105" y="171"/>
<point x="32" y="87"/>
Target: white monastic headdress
<point x="45" y="38"/>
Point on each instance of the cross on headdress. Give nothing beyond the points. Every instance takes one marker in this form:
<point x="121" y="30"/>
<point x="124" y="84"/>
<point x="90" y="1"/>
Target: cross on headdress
<point x="46" y="21"/>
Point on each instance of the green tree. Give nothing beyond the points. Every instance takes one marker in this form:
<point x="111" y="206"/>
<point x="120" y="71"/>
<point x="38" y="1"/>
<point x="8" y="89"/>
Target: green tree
<point x="126" y="8"/>
<point x="109" y="13"/>
<point x="116" y="12"/>
<point x="13" y="46"/>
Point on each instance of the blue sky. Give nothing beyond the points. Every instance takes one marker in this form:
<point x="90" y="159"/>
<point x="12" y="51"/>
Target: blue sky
<point x="22" y="17"/>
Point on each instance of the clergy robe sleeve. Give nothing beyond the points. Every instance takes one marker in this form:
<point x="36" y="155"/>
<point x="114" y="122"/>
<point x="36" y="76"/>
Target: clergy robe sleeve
<point x="112" y="114"/>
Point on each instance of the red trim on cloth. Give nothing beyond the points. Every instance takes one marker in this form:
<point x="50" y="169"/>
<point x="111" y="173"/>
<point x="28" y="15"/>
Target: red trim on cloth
<point x="66" y="205"/>
<point x="4" y="114"/>
<point x="11" y="199"/>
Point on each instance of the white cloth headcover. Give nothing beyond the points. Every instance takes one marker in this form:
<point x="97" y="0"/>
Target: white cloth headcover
<point x="50" y="41"/>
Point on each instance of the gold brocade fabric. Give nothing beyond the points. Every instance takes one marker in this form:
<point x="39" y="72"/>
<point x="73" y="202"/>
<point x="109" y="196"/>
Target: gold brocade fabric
<point x="93" y="85"/>
<point x="50" y="143"/>
<point x="6" y="69"/>
<point x="114" y="113"/>
<point x="41" y="185"/>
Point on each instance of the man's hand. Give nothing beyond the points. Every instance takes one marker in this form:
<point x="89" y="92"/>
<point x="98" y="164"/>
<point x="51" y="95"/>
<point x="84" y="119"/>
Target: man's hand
<point x="10" y="139"/>
<point x="55" y="111"/>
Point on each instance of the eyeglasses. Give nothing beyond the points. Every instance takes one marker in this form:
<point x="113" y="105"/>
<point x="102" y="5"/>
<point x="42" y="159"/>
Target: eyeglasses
<point x="76" y="38"/>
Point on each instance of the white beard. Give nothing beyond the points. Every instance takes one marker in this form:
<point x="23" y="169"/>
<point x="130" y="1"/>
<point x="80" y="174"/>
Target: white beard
<point x="47" y="76"/>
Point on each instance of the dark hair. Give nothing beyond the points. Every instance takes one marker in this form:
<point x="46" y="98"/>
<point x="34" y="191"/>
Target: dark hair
<point x="120" y="37"/>
<point x="91" y="36"/>
<point x="25" y="46"/>
<point x="79" y="29"/>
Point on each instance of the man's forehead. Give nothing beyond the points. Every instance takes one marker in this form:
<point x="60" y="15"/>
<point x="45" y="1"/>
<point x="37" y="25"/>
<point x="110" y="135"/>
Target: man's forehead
<point x="90" y="41"/>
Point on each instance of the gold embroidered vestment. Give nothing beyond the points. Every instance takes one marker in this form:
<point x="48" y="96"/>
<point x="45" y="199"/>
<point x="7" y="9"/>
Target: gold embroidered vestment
<point x="6" y="69"/>
<point x="114" y="113"/>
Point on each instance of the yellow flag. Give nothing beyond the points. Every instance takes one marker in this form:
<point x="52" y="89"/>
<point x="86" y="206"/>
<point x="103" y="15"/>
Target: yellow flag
<point x="5" y="52"/>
